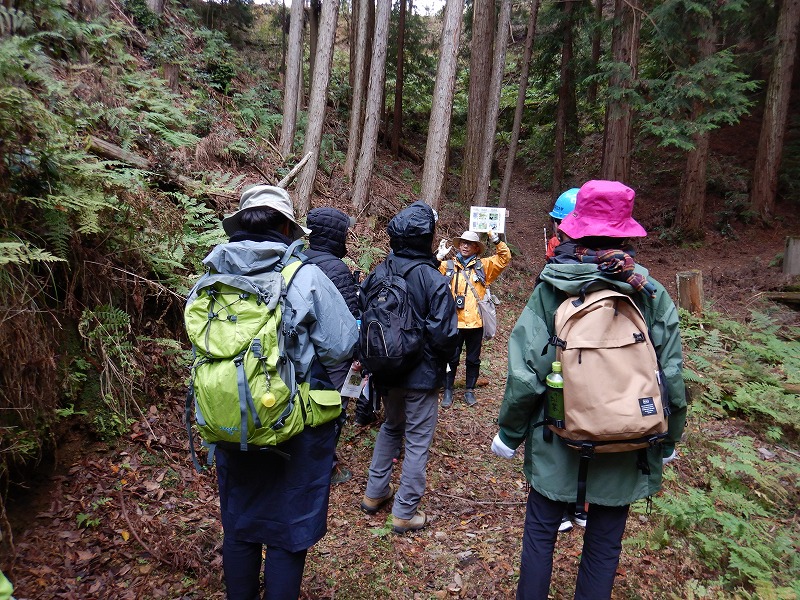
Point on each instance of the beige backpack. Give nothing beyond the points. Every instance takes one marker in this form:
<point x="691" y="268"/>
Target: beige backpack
<point x="613" y="398"/>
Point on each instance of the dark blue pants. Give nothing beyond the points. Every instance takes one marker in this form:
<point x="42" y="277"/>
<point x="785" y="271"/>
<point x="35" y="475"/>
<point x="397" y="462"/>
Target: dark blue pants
<point x="472" y="339"/>
<point x="602" y="544"/>
<point x="283" y="571"/>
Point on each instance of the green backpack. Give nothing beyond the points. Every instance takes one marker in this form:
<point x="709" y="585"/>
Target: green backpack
<point x="243" y="387"/>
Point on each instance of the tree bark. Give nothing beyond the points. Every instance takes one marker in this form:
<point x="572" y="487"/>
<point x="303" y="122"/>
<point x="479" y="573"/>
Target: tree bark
<point x="564" y="99"/>
<point x="436" y="150"/>
<point x="372" y="120"/>
<point x="591" y="93"/>
<point x="618" y="130"/>
<point x="397" y="118"/>
<point x="692" y="199"/>
<point x="292" y="80"/>
<point x="493" y="107"/>
<point x="313" y="35"/>
<point x="157" y="6"/>
<point x="480" y="71"/>
<point x="316" y="103"/>
<point x="523" y="89"/>
<point x="776" y="108"/>
<point x="359" y="75"/>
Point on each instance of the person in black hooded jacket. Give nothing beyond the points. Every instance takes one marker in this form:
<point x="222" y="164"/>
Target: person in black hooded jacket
<point x="411" y="399"/>
<point x="327" y="245"/>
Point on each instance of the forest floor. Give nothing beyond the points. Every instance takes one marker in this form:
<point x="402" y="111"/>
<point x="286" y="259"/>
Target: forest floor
<point x="134" y="520"/>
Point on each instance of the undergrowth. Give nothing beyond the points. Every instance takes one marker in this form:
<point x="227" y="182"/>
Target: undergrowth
<point x="732" y="507"/>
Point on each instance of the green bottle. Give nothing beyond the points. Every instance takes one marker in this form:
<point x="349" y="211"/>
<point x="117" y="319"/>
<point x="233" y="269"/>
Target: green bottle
<point x="555" y="396"/>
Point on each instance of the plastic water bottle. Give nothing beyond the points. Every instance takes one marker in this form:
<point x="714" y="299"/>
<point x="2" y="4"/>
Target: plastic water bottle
<point x="555" y="396"/>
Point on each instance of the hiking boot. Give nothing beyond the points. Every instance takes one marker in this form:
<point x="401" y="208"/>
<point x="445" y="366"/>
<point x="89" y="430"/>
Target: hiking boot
<point x="340" y="475"/>
<point x="447" y="399"/>
<point x="371" y="505"/>
<point x="566" y="524"/>
<point x="364" y="420"/>
<point x="580" y="518"/>
<point x="415" y="523"/>
<point x="469" y="398"/>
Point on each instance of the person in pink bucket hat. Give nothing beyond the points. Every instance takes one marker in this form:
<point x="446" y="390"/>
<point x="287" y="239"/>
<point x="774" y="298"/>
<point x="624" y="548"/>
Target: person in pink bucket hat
<point x="595" y="254"/>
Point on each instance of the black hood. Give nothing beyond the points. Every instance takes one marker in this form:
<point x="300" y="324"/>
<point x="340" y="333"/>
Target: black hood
<point x="328" y="230"/>
<point x="411" y="231"/>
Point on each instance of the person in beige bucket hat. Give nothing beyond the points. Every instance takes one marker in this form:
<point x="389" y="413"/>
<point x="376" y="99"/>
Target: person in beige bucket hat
<point x="470" y="277"/>
<point x="268" y="196"/>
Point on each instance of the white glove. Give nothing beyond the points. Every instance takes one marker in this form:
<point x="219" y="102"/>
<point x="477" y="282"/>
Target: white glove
<point x="499" y="448"/>
<point x="668" y="459"/>
<point x="443" y="250"/>
<point x="493" y="237"/>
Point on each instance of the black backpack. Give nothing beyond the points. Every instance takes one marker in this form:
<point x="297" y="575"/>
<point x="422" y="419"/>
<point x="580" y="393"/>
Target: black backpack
<point x="391" y="336"/>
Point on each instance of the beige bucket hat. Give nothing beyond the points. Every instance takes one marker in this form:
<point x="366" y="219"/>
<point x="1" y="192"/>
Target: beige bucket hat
<point x="268" y="196"/>
<point x="470" y="236"/>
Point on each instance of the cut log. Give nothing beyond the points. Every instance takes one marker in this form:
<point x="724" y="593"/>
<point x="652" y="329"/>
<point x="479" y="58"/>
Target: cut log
<point x="690" y="291"/>
<point x="108" y="150"/>
<point x="791" y="256"/>
<point x="788" y="297"/>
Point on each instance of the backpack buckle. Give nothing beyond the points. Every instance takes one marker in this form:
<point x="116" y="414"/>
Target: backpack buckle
<point x="558" y="342"/>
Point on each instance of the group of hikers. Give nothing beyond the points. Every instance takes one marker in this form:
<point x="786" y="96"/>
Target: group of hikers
<point x="278" y="498"/>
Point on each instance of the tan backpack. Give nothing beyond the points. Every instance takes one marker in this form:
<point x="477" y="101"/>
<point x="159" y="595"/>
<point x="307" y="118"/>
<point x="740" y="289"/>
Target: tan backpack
<point x="613" y="398"/>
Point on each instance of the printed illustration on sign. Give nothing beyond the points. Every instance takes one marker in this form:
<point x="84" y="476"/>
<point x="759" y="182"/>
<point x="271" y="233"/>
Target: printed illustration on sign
<point x="487" y="218"/>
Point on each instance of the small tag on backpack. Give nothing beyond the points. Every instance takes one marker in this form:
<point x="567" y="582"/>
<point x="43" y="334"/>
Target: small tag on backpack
<point x="648" y="407"/>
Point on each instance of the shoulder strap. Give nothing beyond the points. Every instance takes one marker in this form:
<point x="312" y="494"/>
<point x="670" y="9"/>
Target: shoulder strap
<point x="472" y="287"/>
<point x="479" y="272"/>
<point x="451" y="267"/>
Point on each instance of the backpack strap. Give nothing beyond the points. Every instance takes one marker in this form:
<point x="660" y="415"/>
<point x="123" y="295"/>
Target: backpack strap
<point x="479" y="271"/>
<point x="450" y="268"/>
<point x="587" y="452"/>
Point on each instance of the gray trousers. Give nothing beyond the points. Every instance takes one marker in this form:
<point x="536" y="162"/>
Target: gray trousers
<point x="411" y="414"/>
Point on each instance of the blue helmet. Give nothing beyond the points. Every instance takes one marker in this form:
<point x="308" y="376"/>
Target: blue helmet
<point x="565" y="204"/>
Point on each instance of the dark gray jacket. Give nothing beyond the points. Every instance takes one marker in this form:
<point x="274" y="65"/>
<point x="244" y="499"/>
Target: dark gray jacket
<point x="411" y="237"/>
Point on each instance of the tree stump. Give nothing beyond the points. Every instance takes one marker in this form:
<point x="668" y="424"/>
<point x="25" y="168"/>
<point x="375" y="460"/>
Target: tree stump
<point x="690" y="290"/>
<point x="791" y="256"/>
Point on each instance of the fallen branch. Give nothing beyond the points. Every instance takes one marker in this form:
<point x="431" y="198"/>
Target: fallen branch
<point x="155" y="555"/>
<point x="490" y="502"/>
<point x="285" y="181"/>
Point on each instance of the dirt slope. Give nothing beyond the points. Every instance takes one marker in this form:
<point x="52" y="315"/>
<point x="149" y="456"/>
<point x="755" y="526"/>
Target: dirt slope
<point x="135" y="521"/>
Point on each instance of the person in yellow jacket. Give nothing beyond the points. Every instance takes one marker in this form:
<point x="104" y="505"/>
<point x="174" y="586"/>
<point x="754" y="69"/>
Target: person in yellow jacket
<point x="469" y="275"/>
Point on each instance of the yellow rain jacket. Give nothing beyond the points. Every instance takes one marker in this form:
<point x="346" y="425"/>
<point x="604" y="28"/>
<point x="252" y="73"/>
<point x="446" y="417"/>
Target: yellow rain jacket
<point x="481" y="272"/>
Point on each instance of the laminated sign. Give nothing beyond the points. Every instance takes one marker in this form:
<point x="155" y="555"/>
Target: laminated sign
<point x="487" y="218"/>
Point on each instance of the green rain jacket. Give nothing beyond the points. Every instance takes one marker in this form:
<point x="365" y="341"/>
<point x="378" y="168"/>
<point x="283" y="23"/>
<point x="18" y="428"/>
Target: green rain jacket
<point x="551" y="467"/>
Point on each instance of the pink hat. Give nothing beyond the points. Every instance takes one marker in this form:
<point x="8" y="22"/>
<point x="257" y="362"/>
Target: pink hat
<point x="603" y="209"/>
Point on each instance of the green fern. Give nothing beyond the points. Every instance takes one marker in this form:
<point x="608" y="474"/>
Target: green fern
<point x="14" y="22"/>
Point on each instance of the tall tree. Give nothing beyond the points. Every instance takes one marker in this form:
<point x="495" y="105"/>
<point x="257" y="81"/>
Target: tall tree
<point x="369" y="139"/>
<point x="317" y="102"/>
<point x="692" y="199"/>
<point x="359" y="76"/>
<point x="314" y="12"/>
<point x="776" y="108"/>
<point x="435" y="165"/>
<point x="523" y="90"/>
<point x="292" y="79"/>
<point x="698" y="87"/>
<point x="618" y="137"/>
<point x="480" y="72"/>
<point x="566" y="97"/>
<point x="493" y="106"/>
<point x="397" y="119"/>
<point x="591" y="92"/>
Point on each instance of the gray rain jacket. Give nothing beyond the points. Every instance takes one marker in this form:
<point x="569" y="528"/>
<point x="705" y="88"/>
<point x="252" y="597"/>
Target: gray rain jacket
<point x="325" y="327"/>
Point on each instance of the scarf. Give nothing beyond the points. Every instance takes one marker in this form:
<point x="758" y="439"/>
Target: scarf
<point x="618" y="265"/>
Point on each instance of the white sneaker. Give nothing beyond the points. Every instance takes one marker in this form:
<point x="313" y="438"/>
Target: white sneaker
<point x="580" y="518"/>
<point x="566" y="525"/>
